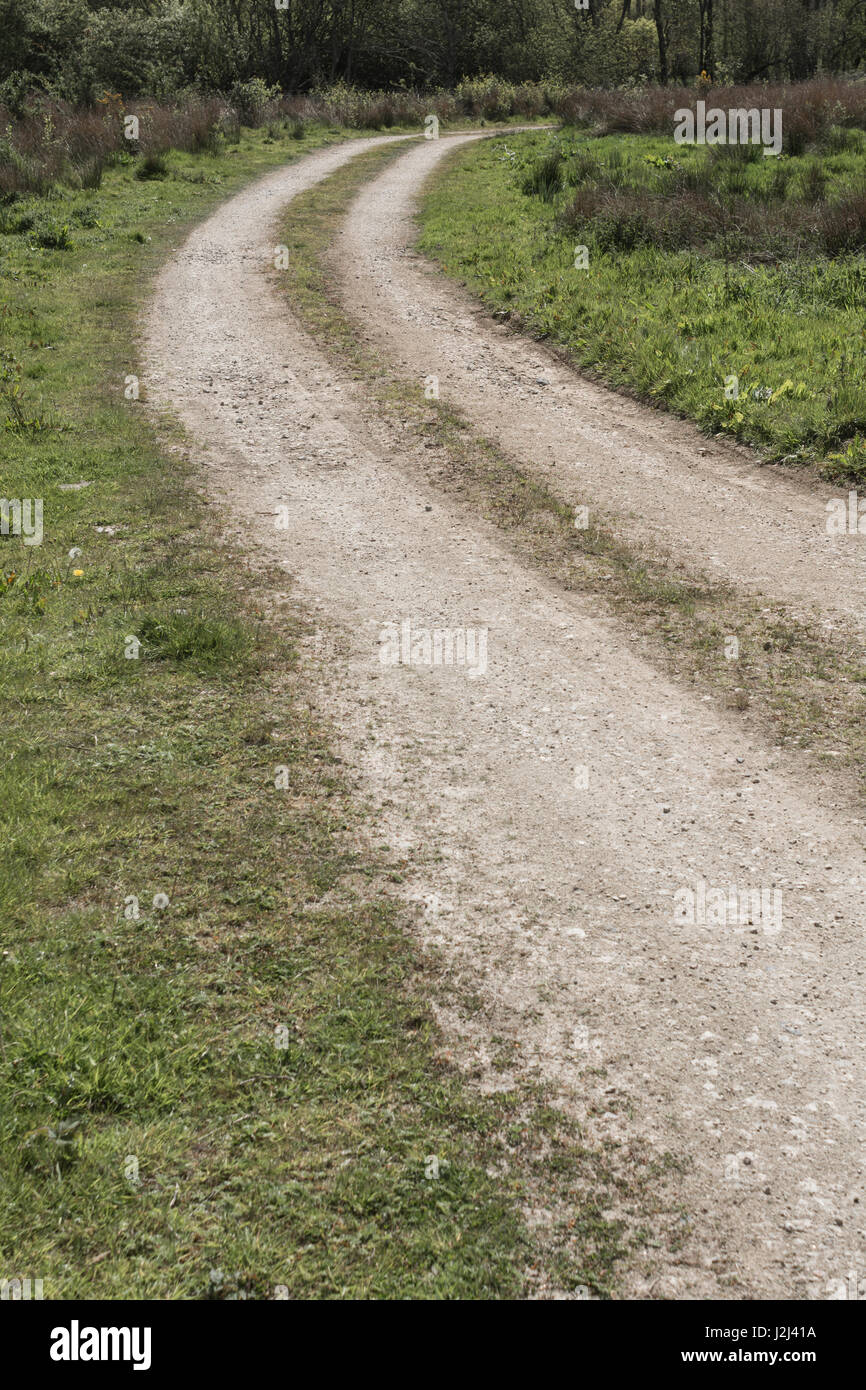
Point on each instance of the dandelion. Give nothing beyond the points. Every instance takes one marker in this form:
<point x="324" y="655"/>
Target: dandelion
<point x="77" y="574"/>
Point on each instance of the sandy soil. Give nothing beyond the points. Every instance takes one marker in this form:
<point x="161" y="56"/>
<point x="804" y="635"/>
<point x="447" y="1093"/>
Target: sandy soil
<point x="551" y="805"/>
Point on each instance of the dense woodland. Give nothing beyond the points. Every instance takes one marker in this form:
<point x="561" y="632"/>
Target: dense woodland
<point x="78" y="49"/>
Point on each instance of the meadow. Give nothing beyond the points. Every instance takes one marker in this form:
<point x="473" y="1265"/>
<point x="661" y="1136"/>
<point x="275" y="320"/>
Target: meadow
<point x="724" y="285"/>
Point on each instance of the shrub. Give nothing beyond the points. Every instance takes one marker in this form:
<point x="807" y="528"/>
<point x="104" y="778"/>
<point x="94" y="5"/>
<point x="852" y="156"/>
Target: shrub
<point x="87" y="173"/>
<point x="622" y="226"/>
<point x="584" y="168"/>
<point x="544" y="179"/>
<point x="622" y="220"/>
<point x="48" y="141"/>
<point x="695" y="177"/>
<point x="486" y="97"/>
<point x="842" y="224"/>
<point x="779" y="180"/>
<point x="253" y="100"/>
<point x="86" y="216"/>
<point x="229" y="128"/>
<point x="813" y="183"/>
<point x="23" y="174"/>
<point x="809" y="109"/>
<point x="50" y="233"/>
<point x="838" y="140"/>
<point x="735" y="153"/>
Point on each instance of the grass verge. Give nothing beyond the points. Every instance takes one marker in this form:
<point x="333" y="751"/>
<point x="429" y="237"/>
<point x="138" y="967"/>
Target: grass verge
<point x="729" y="288"/>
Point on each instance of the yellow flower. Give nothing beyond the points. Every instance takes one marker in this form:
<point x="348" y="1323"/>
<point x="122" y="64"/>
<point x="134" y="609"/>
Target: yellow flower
<point x="76" y="574"/>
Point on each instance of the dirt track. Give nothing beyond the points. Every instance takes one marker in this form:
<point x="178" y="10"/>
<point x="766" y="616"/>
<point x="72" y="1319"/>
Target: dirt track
<point x="664" y="482"/>
<point x="741" y="1049"/>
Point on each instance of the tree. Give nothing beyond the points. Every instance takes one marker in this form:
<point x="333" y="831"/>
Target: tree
<point x="662" y="34"/>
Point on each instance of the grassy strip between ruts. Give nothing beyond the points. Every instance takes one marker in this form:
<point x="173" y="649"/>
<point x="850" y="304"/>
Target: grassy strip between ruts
<point x="727" y="286"/>
<point x="804" y="688"/>
<point x="218" y="1071"/>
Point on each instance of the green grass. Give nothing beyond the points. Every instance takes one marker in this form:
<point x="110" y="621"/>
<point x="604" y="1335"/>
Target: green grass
<point x="219" y="1073"/>
<point x="699" y="270"/>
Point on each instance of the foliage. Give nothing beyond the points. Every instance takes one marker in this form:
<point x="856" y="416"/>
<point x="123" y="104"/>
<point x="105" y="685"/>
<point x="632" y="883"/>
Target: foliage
<point x="75" y="48"/>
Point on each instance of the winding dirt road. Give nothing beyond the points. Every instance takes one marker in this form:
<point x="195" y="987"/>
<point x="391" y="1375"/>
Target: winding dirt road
<point x="554" y="799"/>
<point x="663" y="481"/>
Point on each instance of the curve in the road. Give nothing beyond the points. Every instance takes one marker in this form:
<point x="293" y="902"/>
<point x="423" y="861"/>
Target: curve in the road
<point x="706" y="502"/>
<point x="552" y="804"/>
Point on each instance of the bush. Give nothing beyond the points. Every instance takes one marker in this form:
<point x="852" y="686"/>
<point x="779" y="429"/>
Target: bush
<point x="49" y="141"/>
<point x="624" y="219"/>
<point x="253" y="100"/>
<point x="695" y="177"/>
<point x="842" y="224"/>
<point x="87" y="173"/>
<point x="50" y="233"/>
<point x="20" y="175"/>
<point x="622" y="227"/>
<point x="544" y="179"/>
<point x="229" y="128"/>
<point x="779" y="180"/>
<point x="736" y="153"/>
<point x="128" y="51"/>
<point x="86" y="216"/>
<point x="813" y="183"/>
<point x="838" y="140"/>
<point x="810" y="109"/>
<point x="487" y="97"/>
<point x="584" y="168"/>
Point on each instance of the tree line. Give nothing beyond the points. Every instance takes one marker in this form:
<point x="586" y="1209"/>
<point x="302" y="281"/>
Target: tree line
<point x="78" y="49"/>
